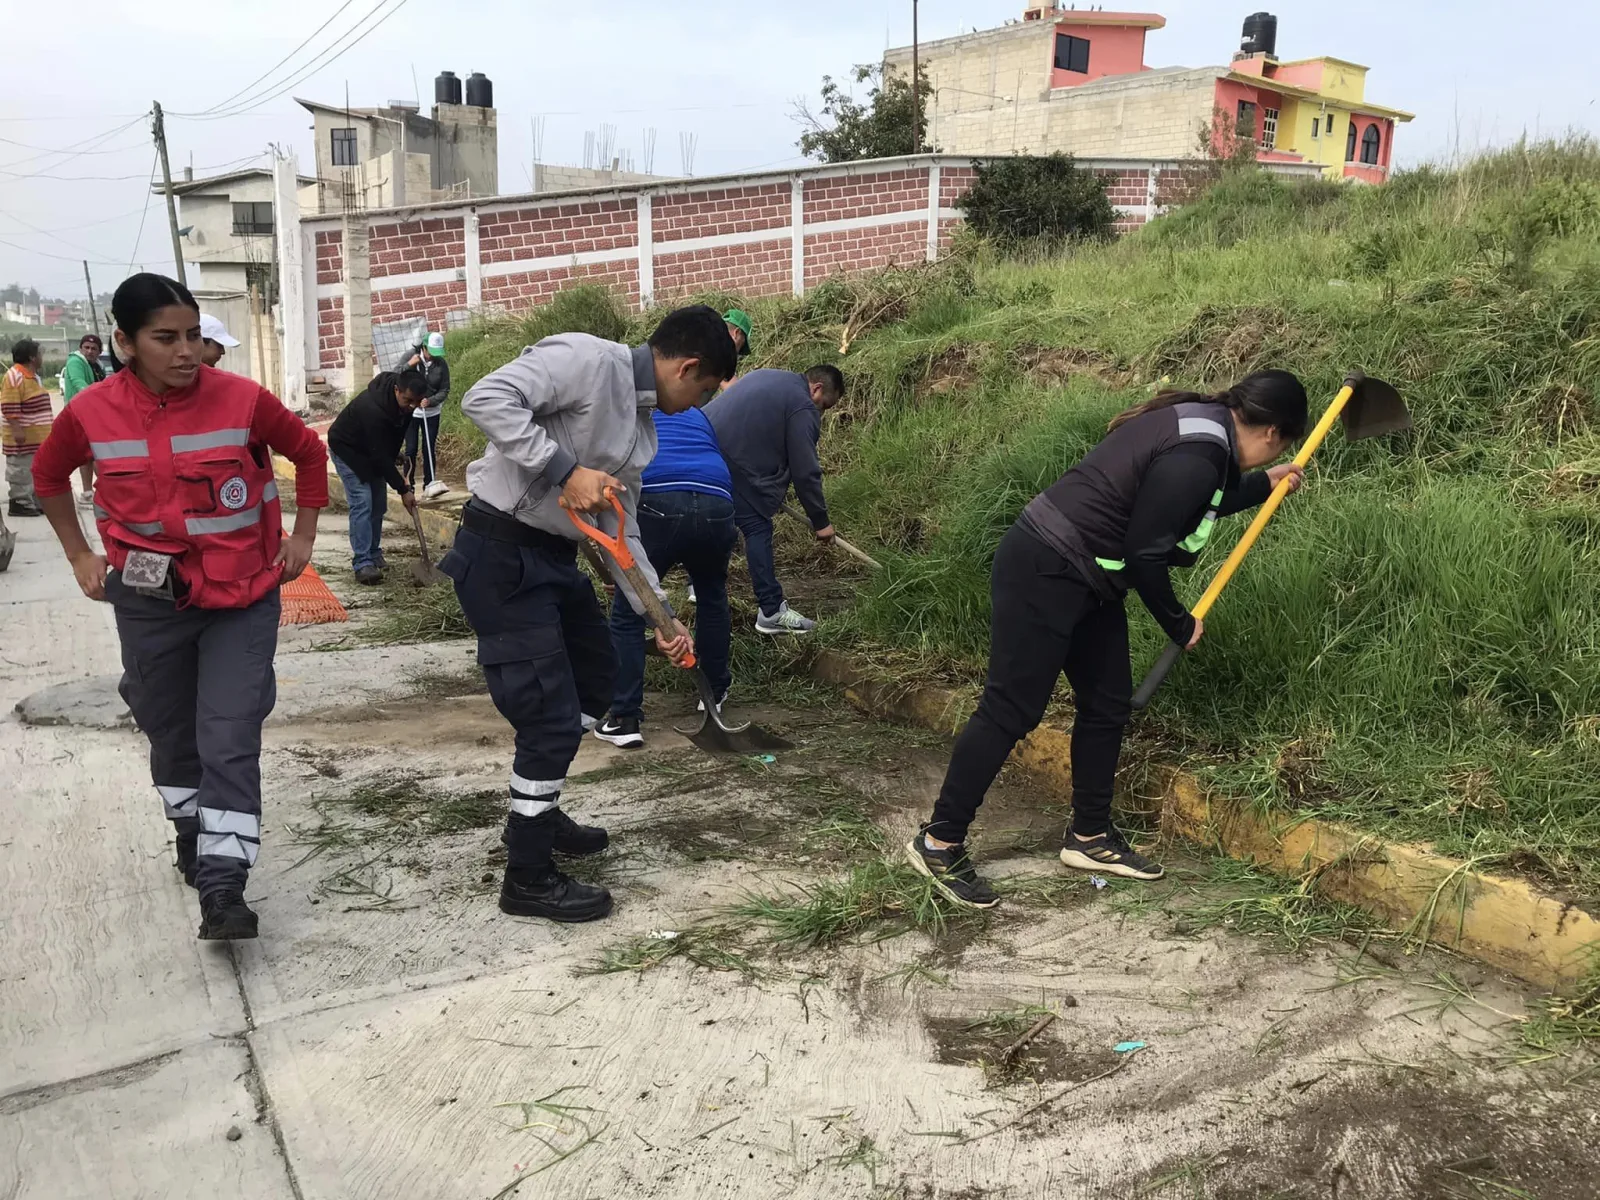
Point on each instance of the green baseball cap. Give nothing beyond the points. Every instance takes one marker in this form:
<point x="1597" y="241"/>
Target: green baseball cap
<point x="436" y="345"/>
<point x="740" y="320"/>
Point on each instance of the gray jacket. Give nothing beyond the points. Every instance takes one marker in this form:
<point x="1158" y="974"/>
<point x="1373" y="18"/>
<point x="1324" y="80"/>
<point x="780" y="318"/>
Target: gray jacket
<point x="572" y="400"/>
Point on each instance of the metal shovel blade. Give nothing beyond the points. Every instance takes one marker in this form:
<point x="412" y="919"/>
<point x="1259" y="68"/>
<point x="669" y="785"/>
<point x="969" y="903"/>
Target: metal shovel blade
<point x="424" y="573"/>
<point x="716" y="736"/>
<point x="8" y="546"/>
<point x="1374" y="408"/>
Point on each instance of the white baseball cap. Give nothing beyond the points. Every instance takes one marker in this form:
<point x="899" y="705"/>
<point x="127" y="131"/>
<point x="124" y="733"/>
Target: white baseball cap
<point x="214" y="330"/>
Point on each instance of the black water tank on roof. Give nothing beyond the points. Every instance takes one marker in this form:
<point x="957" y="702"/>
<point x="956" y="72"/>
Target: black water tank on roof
<point x="480" y="92"/>
<point x="1260" y="34"/>
<point x="447" y="88"/>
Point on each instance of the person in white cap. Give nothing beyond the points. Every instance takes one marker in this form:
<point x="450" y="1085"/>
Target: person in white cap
<point x="217" y="340"/>
<point x="429" y="358"/>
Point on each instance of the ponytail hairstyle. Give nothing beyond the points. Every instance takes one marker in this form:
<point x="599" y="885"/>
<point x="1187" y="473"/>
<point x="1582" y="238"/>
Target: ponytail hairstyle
<point x="1275" y="398"/>
<point x="137" y="299"/>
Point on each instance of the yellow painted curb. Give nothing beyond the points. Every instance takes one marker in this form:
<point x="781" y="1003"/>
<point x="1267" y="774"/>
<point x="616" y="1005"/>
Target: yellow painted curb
<point x="1508" y="923"/>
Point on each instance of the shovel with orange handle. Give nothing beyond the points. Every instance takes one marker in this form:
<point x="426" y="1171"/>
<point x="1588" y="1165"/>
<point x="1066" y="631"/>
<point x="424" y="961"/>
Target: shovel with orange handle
<point x="1369" y="407"/>
<point x="714" y="734"/>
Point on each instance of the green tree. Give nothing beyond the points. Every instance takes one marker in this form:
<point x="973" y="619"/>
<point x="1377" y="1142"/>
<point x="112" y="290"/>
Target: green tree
<point x="847" y="129"/>
<point x="1017" y="200"/>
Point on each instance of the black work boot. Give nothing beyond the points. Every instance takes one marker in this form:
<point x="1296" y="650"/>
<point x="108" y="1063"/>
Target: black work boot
<point x="570" y="838"/>
<point x="225" y="917"/>
<point x="546" y="892"/>
<point x="533" y="887"/>
<point x="187" y="835"/>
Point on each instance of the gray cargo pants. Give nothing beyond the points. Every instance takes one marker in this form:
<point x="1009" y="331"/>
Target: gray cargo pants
<point x="200" y="683"/>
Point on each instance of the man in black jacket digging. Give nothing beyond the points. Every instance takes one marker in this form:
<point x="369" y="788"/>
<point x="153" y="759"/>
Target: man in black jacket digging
<point x="365" y="443"/>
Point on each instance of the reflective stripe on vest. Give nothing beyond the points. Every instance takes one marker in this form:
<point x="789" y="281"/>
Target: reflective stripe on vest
<point x="129" y="449"/>
<point x="188" y="443"/>
<point x="1197" y="540"/>
<point x="239" y="520"/>
<point x="146" y="528"/>
<point x="1203" y="427"/>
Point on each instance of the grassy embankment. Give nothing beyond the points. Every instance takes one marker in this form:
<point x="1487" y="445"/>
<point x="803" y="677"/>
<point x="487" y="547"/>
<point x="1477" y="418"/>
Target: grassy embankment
<point x="1415" y="644"/>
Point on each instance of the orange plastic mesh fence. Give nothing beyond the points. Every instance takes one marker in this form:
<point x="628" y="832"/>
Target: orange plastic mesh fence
<point x="307" y="601"/>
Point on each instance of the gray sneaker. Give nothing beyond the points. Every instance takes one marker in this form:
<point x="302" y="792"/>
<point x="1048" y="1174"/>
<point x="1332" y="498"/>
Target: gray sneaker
<point x="785" y="620"/>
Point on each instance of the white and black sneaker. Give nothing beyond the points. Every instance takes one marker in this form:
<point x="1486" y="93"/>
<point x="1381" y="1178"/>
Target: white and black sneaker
<point x="620" y="731"/>
<point x="951" y="871"/>
<point x="1108" y="854"/>
<point x="700" y="705"/>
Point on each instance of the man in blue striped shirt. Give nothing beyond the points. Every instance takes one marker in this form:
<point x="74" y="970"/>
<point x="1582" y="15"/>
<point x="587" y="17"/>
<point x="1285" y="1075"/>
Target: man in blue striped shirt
<point x="685" y="518"/>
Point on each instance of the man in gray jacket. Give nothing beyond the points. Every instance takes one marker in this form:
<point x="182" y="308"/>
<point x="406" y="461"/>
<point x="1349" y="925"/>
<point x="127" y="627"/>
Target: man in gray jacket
<point x="566" y="420"/>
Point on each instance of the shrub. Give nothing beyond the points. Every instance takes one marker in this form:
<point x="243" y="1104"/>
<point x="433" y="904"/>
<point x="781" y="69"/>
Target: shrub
<point x="1048" y="199"/>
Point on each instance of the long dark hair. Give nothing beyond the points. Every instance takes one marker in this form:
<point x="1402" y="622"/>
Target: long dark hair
<point x="1275" y="398"/>
<point x="137" y="299"/>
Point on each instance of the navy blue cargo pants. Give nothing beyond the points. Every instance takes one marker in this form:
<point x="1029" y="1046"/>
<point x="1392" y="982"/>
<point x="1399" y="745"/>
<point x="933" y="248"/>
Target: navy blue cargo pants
<point x="545" y="648"/>
<point x="199" y="683"/>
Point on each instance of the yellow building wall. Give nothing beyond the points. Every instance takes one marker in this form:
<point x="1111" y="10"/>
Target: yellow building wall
<point x="1343" y="81"/>
<point x="1294" y="133"/>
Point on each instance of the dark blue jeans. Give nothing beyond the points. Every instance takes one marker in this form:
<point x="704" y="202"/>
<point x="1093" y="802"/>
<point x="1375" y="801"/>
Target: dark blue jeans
<point x="367" y="503"/>
<point x="757" y="530"/>
<point x="696" y="531"/>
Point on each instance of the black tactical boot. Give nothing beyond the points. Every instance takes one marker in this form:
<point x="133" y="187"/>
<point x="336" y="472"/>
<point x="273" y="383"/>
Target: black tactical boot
<point x="546" y="892"/>
<point x="225" y="917"/>
<point x="568" y="837"/>
<point x="532" y="886"/>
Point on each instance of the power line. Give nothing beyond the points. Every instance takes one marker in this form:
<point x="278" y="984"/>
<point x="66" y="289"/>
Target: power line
<point x="272" y="69"/>
<point x="155" y="161"/>
<point x="51" y="236"/>
<point x="62" y="257"/>
<point x="314" y="66"/>
<point x="89" y="145"/>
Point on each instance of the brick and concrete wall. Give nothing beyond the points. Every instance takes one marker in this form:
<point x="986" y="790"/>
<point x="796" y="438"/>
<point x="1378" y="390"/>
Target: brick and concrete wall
<point x="754" y="235"/>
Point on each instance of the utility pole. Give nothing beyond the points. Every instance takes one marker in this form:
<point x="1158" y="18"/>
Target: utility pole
<point x="159" y="129"/>
<point x="94" y="313"/>
<point x="916" y="87"/>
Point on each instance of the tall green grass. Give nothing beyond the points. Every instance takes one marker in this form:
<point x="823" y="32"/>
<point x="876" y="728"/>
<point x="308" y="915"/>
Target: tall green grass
<point x="1415" y="643"/>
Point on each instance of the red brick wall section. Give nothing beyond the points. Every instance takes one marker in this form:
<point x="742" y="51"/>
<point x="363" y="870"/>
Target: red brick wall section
<point x="431" y="244"/>
<point x="724" y="211"/>
<point x="554" y="230"/>
<point x="757" y="269"/>
<point x="527" y="288"/>
<point x="843" y="197"/>
<point x="432" y="301"/>
<point x="330" y="256"/>
<point x="852" y="251"/>
<point x="330" y="333"/>
<point x="953" y="184"/>
<point x="1126" y="188"/>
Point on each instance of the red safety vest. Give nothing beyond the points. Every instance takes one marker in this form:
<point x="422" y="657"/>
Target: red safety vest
<point x="175" y="474"/>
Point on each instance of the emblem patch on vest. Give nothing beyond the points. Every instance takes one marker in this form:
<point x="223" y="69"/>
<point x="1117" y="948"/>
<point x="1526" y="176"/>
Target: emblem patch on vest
<point x="234" y="493"/>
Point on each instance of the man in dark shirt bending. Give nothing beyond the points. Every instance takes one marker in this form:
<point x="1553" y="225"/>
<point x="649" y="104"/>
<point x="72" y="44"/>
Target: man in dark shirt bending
<point x="365" y="442"/>
<point x="768" y="424"/>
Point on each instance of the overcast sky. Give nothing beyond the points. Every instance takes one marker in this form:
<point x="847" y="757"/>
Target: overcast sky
<point x="1475" y="74"/>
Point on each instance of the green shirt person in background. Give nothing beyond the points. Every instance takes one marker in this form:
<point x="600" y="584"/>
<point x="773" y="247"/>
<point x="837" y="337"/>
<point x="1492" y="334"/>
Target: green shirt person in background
<point x="82" y="369"/>
<point x="739" y="329"/>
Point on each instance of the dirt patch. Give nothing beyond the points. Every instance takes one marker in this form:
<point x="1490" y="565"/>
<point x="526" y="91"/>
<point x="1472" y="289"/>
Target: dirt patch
<point x="982" y="1042"/>
<point x="1395" y="1136"/>
<point x="953" y="370"/>
<point x="1052" y="366"/>
<point x="1223" y="342"/>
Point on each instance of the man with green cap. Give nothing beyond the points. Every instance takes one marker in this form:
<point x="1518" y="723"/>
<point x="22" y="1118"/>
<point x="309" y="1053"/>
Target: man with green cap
<point x="739" y="327"/>
<point x="424" y="428"/>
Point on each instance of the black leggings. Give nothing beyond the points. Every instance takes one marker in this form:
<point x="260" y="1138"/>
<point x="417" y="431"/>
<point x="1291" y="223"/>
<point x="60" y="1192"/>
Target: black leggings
<point x="1046" y="620"/>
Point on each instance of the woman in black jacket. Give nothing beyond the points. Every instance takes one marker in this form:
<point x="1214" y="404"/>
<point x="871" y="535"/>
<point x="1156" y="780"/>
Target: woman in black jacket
<point x="1142" y="501"/>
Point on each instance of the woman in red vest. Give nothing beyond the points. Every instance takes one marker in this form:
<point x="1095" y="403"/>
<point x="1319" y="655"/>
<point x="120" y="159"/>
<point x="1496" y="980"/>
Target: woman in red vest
<point x="194" y="552"/>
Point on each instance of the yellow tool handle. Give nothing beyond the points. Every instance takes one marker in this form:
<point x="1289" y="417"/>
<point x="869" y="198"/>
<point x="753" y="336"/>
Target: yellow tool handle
<point x="1313" y="440"/>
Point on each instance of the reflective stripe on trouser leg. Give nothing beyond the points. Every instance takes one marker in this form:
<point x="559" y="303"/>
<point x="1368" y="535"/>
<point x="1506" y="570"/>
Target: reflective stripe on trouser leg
<point x="530" y="797"/>
<point x="225" y="834"/>
<point x="179" y="801"/>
